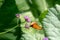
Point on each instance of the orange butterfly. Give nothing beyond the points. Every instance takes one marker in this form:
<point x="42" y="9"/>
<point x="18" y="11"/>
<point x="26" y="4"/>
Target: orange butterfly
<point x="36" y="26"/>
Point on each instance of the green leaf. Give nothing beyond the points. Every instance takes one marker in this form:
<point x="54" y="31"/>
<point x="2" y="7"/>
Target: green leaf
<point x="51" y="23"/>
<point x="7" y="36"/>
<point x="42" y="15"/>
<point x="7" y="15"/>
<point x="52" y="3"/>
<point x="1" y="2"/>
<point x="22" y="5"/>
<point x="57" y="2"/>
<point x="41" y="5"/>
<point x="31" y="33"/>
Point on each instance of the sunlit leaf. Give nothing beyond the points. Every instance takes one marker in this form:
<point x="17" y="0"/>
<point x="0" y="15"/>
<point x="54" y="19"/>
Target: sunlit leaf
<point x="51" y="23"/>
<point x="22" y="5"/>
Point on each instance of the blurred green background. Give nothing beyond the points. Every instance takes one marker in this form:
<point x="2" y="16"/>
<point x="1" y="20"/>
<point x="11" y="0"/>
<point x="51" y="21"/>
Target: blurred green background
<point x="35" y="9"/>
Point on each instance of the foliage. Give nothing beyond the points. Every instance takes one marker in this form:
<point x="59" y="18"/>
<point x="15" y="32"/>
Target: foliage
<point x="45" y="12"/>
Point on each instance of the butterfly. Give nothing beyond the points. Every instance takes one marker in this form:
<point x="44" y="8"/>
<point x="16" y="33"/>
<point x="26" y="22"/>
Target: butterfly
<point x="36" y="26"/>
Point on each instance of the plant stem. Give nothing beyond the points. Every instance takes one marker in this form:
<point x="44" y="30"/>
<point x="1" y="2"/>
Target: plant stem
<point x="18" y="30"/>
